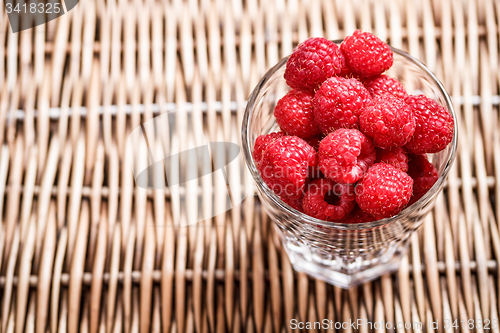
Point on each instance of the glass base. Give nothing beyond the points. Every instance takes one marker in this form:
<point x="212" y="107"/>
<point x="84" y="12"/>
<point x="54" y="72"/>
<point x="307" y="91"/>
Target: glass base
<point x="343" y="278"/>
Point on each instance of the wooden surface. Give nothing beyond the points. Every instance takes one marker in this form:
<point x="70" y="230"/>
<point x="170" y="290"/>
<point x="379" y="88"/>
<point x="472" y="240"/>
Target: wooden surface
<point x="77" y="246"/>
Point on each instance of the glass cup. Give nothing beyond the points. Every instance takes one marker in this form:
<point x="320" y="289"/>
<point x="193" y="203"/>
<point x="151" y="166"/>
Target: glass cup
<point x="343" y="254"/>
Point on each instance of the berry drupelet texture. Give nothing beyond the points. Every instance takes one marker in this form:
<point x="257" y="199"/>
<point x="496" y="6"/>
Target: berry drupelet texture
<point x="388" y="121"/>
<point x="294" y="114"/>
<point x="284" y="167"/>
<point x="384" y="190"/>
<point x="393" y="156"/>
<point x="434" y="125"/>
<point x="384" y="84"/>
<point x="366" y="55"/>
<point x="338" y="104"/>
<point x="261" y="144"/>
<point x="345" y="155"/>
<point x="312" y="62"/>
<point x="327" y="200"/>
<point x="423" y="173"/>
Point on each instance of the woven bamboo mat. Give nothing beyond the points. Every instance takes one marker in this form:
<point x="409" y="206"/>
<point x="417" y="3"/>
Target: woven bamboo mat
<point x="78" y="246"/>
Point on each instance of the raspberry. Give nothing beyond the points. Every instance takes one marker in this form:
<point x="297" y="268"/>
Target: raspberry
<point x="423" y="173"/>
<point x="294" y="114"/>
<point x="314" y="173"/>
<point x="358" y="216"/>
<point x="393" y="156"/>
<point x="312" y="62"/>
<point x="338" y="103"/>
<point x="384" y="190"/>
<point x="285" y="164"/>
<point x="326" y="200"/>
<point x="384" y="84"/>
<point x="433" y="125"/>
<point x="345" y="72"/>
<point x="294" y="203"/>
<point x="314" y="141"/>
<point x="388" y="121"/>
<point x="345" y="155"/>
<point x="261" y="143"/>
<point x="366" y="55"/>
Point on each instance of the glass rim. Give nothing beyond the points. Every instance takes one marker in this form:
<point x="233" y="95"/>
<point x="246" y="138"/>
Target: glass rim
<point x="337" y="225"/>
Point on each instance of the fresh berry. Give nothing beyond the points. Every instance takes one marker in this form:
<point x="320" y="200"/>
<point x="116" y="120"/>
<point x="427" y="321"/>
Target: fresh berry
<point x="433" y="125"/>
<point x="384" y="84"/>
<point x="346" y="71"/>
<point x="338" y="103"/>
<point x="285" y="165"/>
<point x="294" y="114"/>
<point x="388" y="121"/>
<point x="423" y="173"/>
<point x="312" y="62"/>
<point x="327" y="200"/>
<point x="314" y="173"/>
<point x="294" y="203"/>
<point x="261" y="143"/>
<point x="384" y="190"/>
<point x="357" y="215"/>
<point x="314" y="141"/>
<point x="393" y="156"/>
<point x="366" y="55"/>
<point x="345" y="155"/>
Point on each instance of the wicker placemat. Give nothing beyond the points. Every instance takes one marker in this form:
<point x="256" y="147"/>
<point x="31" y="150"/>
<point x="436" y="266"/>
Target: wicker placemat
<point x="77" y="250"/>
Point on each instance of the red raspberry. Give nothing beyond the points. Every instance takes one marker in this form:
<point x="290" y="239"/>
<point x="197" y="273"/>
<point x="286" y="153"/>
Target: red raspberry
<point x="285" y="166"/>
<point x="314" y="173"/>
<point x="338" y="103"/>
<point x="423" y="173"/>
<point x="314" y="141"/>
<point x="384" y="190"/>
<point x="393" y="156"/>
<point x="294" y="203"/>
<point x="433" y="125"/>
<point x="345" y="155"/>
<point x="388" y="121"/>
<point x="358" y="216"/>
<point x="312" y="62"/>
<point x="366" y="55"/>
<point x="384" y="84"/>
<point x="261" y="143"/>
<point x="294" y="114"/>
<point x="345" y="72"/>
<point x="326" y="200"/>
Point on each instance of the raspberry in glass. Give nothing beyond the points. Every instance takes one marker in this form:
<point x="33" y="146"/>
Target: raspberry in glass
<point x="314" y="173"/>
<point x="423" y="173"/>
<point x="357" y="215"/>
<point x="345" y="155"/>
<point x="366" y="55"/>
<point x="394" y="156"/>
<point x="284" y="167"/>
<point x="338" y="103"/>
<point x="384" y="84"/>
<point x="312" y="62"/>
<point x="384" y="190"/>
<point x="388" y="121"/>
<point x="261" y="143"/>
<point x="294" y="114"/>
<point x="345" y="72"/>
<point x="327" y="200"/>
<point x="314" y="141"/>
<point x="433" y="125"/>
<point x="294" y="203"/>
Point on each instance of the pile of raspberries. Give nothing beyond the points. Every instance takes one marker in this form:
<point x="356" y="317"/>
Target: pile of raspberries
<point x="352" y="146"/>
